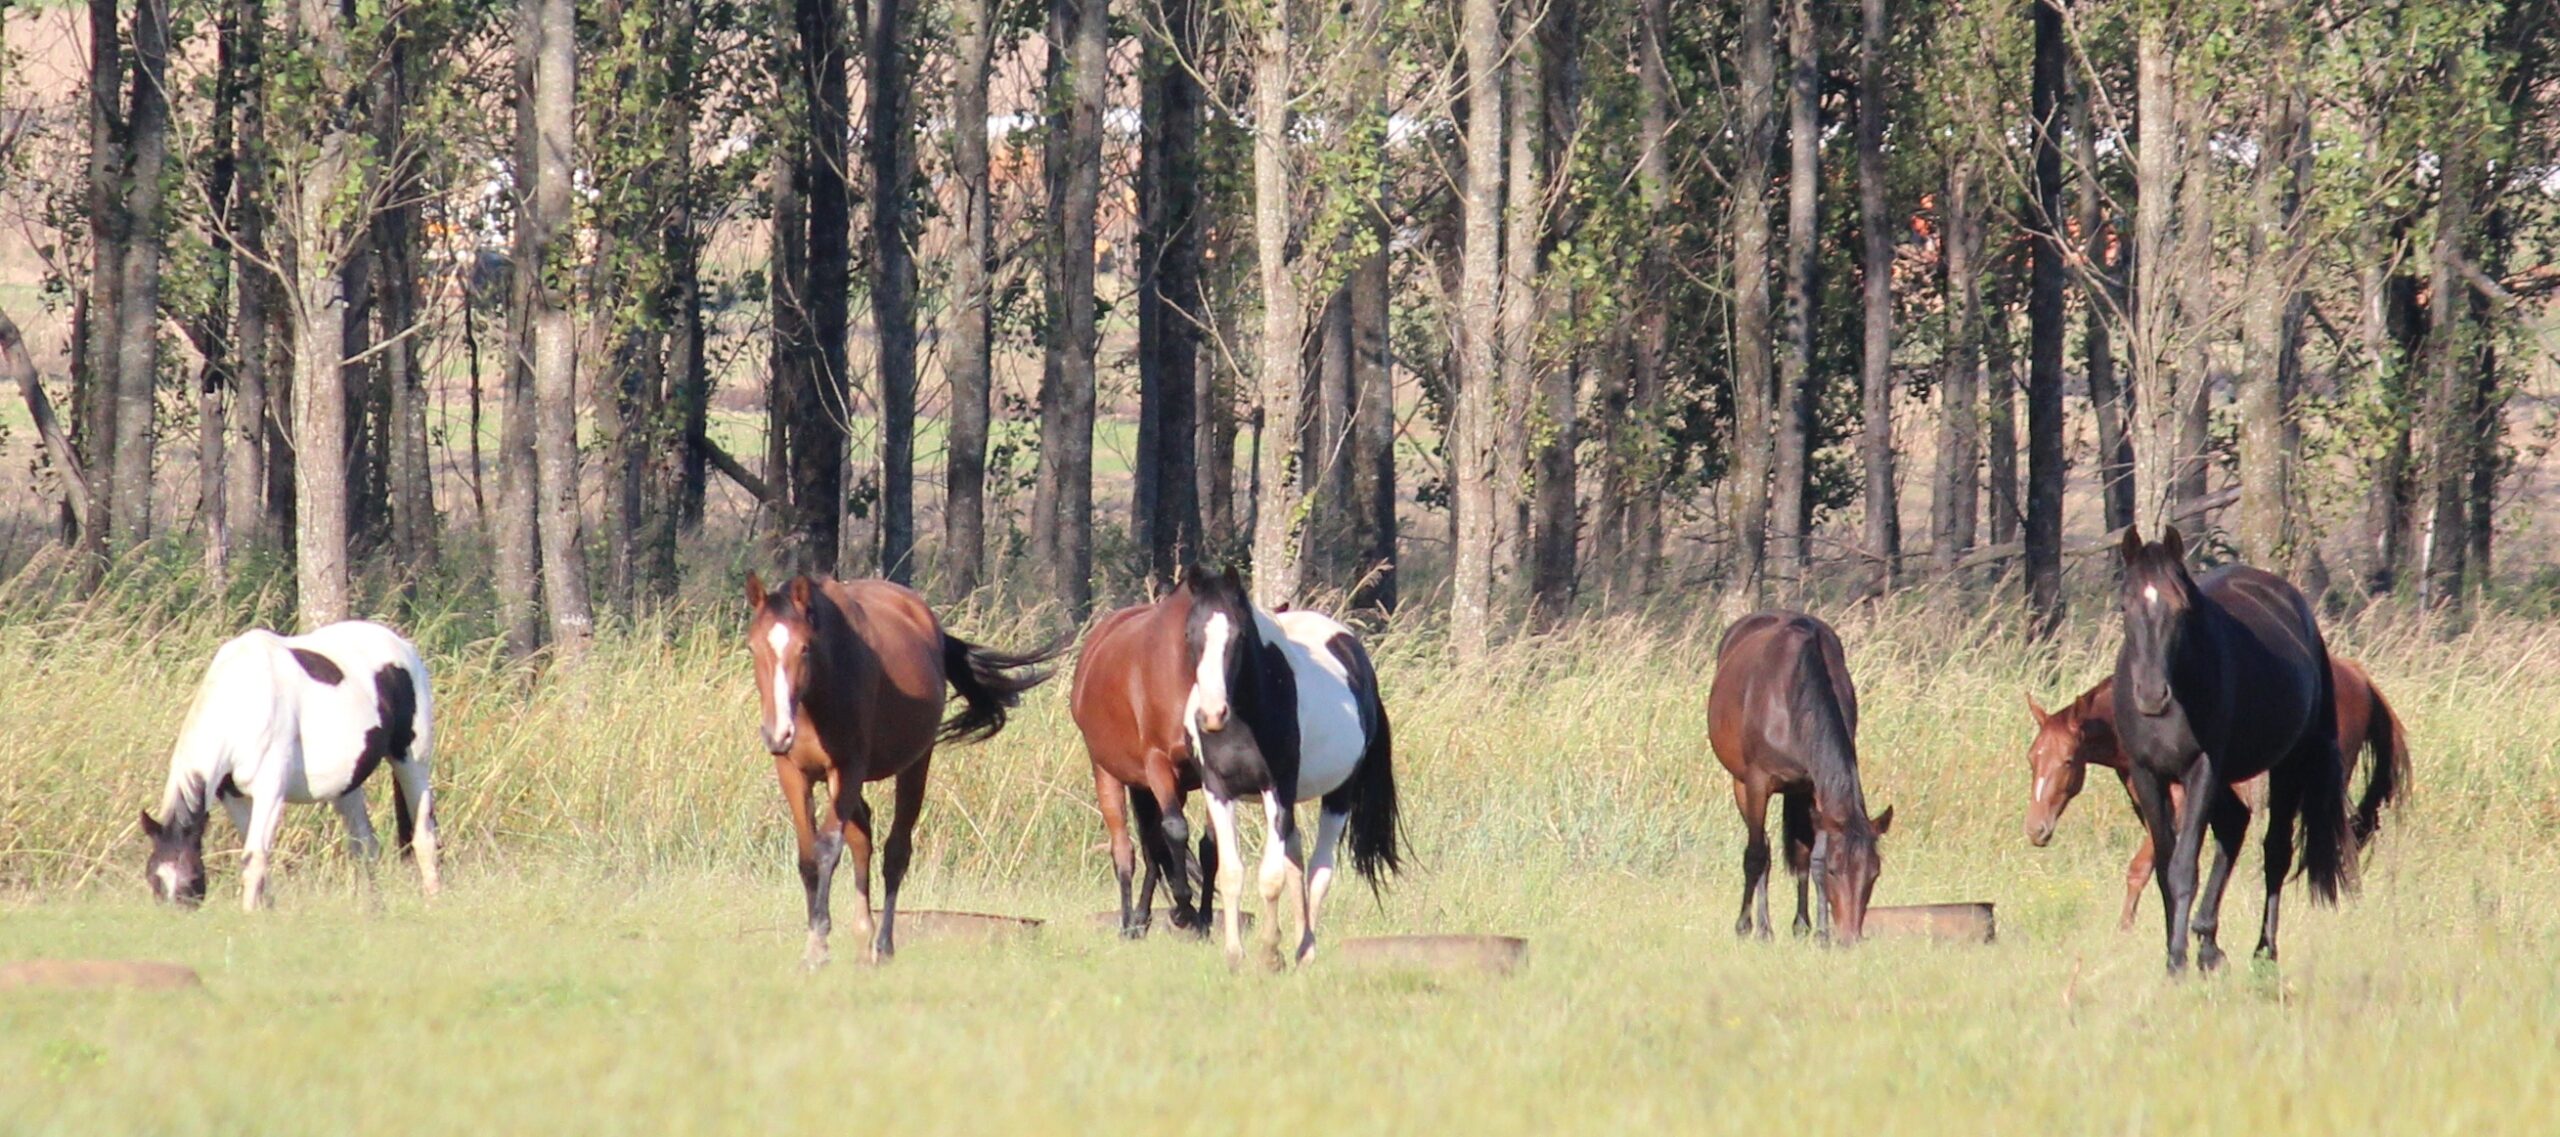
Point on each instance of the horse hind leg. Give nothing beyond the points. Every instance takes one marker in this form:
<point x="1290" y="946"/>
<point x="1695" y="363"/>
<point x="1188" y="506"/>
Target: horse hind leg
<point x="1114" y="800"/>
<point x="363" y="847"/>
<point x="2284" y="805"/>
<point x="2229" y="821"/>
<point x="1754" y="807"/>
<point x="1804" y="861"/>
<point x="900" y="849"/>
<point x="853" y="822"/>
<point x="1329" y="827"/>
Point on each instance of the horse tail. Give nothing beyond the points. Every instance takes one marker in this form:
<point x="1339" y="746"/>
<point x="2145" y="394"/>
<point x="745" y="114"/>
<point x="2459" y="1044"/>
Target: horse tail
<point x="2327" y="830"/>
<point x="1375" y="830"/>
<point x="2389" y="782"/>
<point x="990" y="683"/>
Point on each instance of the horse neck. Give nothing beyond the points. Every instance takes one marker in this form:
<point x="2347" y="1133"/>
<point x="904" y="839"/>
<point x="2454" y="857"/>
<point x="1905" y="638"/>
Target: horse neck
<point x="840" y="655"/>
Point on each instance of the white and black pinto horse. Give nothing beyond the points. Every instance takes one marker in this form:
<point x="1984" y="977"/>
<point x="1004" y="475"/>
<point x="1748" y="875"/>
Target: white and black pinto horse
<point x="1285" y="706"/>
<point x="300" y="719"/>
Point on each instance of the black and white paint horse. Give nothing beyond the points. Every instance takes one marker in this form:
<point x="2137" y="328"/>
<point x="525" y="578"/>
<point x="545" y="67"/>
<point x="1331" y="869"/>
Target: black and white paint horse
<point x="301" y="719"/>
<point x="1286" y="706"/>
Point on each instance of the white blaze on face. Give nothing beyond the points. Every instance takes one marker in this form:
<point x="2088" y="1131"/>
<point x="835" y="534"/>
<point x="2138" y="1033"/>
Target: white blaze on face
<point x="780" y="638"/>
<point x="1209" y="689"/>
<point x="2151" y="595"/>
<point x="168" y="880"/>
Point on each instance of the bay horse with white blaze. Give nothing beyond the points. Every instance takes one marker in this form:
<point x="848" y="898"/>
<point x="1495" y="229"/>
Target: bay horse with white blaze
<point x="1130" y="697"/>
<point x="297" y="719"/>
<point x="1782" y="716"/>
<point x="851" y="677"/>
<point x="1281" y="705"/>
<point x="2083" y="733"/>
<point x="2221" y="679"/>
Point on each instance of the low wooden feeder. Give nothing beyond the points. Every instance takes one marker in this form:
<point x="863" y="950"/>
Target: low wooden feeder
<point x="1163" y="923"/>
<point x="980" y="927"/>
<point x="96" y="975"/>
<point x="1970" y="922"/>
<point x="1489" y="955"/>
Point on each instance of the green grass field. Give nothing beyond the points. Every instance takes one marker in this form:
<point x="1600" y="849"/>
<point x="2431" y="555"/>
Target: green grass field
<point x="617" y="948"/>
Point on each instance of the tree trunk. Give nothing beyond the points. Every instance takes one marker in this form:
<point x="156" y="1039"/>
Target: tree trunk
<point x="320" y="316"/>
<point x="95" y="399"/>
<point x="395" y="238"/>
<point x="1166" y="506"/>
<point x="249" y="522"/>
<point x="2453" y="345"/>
<point x="1875" y="444"/>
<point x="1642" y="498"/>
<point x="1475" y="424"/>
<point x="1754" y="428"/>
<point x="555" y="334"/>
<point x="515" y="531"/>
<point x="2103" y="285"/>
<point x="138" y="295"/>
<point x="893" y="292"/>
<point x="2272" y="324"/>
<point x="1280" y="478"/>
<point x="822" y="407"/>
<point x="1062" y="507"/>
<point x="1373" y="426"/>
<point x="1555" y="529"/>
<point x="2194" y="273"/>
<point x="2154" y="323"/>
<point x="2045" y="316"/>
<point x="1955" y="500"/>
<point x="2000" y="425"/>
<point x="1524" y="217"/>
<point x="964" y="516"/>
<point x="1792" y="496"/>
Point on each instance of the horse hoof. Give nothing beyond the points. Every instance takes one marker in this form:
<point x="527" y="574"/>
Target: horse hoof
<point x="2209" y="958"/>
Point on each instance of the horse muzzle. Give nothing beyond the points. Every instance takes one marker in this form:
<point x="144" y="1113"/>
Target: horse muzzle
<point x="2039" y="831"/>
<point x="778" y="743"/>
<point x="1213" y="720"/>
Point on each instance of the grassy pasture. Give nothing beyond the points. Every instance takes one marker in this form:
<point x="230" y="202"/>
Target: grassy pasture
<point x="616" y="951"/>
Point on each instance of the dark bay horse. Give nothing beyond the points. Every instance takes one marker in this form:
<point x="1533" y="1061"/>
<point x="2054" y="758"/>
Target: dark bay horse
<point x="851" y="675"/>
<point x="2219" y="680"/>
<point x="1783" y="718"/>
<point x="1284" y="706"/>
<point x="1132" y="685"/>
<point x="2083" y="734"/>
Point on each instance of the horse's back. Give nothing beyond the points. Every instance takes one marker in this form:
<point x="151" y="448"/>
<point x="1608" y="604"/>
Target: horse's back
<point x="1130" y="687"/>
<point x="1752" y="701"/>
<point x="903" y="711"/>
<point x="1330" y="669"/>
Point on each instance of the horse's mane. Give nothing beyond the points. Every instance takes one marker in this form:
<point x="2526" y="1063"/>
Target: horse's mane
<point x="203" y="747"/>
<point x="1830" y="752"/>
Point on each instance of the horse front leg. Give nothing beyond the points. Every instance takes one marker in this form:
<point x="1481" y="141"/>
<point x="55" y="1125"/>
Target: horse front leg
<point x="817" y="857"/>
<point x="1230" y="869"/>
<point x="259" y="840"/>
<point x="1283" y="873"/>
<point x="2179" y="881"/>
<point x="901" y="847"/>
<point x="1170" y="844"/>
<point x="2159" y="819"/>
<point x="853" y="822"/>
<point x="2229" y="820"/>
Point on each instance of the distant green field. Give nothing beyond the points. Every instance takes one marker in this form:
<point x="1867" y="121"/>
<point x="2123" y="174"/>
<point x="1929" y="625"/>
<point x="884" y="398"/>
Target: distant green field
<point x="617" y="951"/>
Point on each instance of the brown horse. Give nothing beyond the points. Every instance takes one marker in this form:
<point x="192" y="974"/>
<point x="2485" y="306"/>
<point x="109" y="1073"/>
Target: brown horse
<point x="1783" y="718"/>
<point x="850" y="675"/>
<point x="2083" y="733"/>
<point x="1132" y="682"/>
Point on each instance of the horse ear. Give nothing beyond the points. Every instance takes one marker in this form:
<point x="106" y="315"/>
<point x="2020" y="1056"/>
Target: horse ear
<point x="1234" y="576"/>
<point x="800" y="592"/>
<point x="2177" y="545"/>
<point x="2132" y="543"/>
<point x="755" y="590"/>
<point x="152" y="828"/>
<point x="2037" y="709"/>
<point x="1884" y="821"/>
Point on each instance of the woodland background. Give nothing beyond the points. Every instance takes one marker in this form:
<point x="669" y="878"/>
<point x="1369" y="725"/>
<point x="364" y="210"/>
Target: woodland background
<point x="564" y="310"/>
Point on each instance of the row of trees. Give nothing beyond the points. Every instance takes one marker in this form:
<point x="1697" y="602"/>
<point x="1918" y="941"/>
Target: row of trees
<point x="1642" y="272"/>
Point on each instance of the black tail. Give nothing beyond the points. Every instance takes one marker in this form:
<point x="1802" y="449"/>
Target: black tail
<point x="1375" y="830"/>
<point x="2389" y="782"/>
<point x="2327" y="832"/>
<point x="407" y="826"/>
<point x="990" y="683"/>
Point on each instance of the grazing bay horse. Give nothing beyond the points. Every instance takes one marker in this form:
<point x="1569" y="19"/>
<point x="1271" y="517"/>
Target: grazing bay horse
<point x="850" y="675"/>
<point x="1282" y="705"/>
<point x="1130" y="697"/>
<point x="2221" y="679"/>
<point x="2083" y="733"/>
<point x="297" y="719"/>
<point x="1783" y="718"/>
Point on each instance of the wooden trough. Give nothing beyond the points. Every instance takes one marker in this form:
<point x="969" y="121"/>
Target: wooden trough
<point x="976" y="927"/>
<point x="96" y="975"/>
<point x="1969" y="922"/>
<point x="1488" y="955"/>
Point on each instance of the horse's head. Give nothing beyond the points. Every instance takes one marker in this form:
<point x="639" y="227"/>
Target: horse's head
<point x="1850" y="867"/>
<point x="2058" y="763"/>
<point x="2156" y="596"/>
<point x="176" y="867"/>
<point x="780" y="636"/>
<point x="1220" y="640"/>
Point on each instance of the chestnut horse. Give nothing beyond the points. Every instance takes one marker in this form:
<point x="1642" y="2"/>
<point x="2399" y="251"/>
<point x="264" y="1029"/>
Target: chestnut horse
<point x="1204" y="685"/>
<point x="1783" y="718"/>
<point x="851" y="675"/>
<point x="2220" y="679"/>
<point x="2083" y="733"/>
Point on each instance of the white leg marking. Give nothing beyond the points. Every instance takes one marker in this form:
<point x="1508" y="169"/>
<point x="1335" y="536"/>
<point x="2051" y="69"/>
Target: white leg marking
<point x="1222" y="822"/>
<point x="1280" y="868"/>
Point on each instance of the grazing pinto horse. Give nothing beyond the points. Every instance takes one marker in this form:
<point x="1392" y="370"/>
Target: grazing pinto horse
<point x="301" y="719"/>
<point x="2219" y="680"/>
<point x="2070" y="740"/>
<point x="1286" y="706"/>
<point x="851" y="675"/>
<point x="1783" y="718"/>
<point x="1131" y="694"/>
